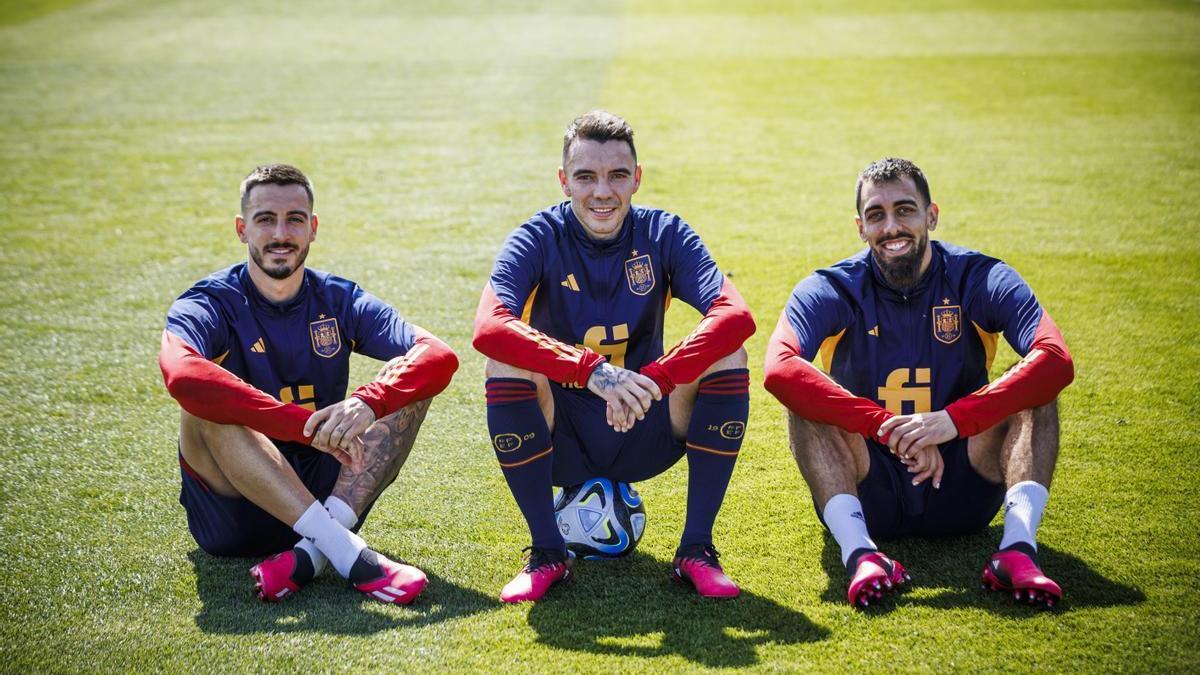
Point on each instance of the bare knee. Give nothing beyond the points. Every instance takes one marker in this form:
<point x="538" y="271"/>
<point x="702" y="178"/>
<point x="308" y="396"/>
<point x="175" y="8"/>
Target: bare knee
<point x="494" y="368"/>
<point x="198" y="438"/>
<point x="737" y="359"/>
<point x="827" y="443"/>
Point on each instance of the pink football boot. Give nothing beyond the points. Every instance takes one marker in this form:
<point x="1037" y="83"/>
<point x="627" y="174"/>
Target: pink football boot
<point x="874" y="576"/>
<point x="1015" y="570"/>
<point x="544" y="568"/>
<point x="390" y="581"/>
<point x="697" y="565"/>
<point x="281" y="575"/>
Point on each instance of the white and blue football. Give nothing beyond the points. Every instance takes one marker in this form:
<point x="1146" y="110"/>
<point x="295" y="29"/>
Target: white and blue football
<point x="600" y="518"/>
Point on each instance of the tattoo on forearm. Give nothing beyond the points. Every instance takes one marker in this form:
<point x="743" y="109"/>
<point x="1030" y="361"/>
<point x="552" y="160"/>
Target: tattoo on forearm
<point x="387" y="444"/>
<point x="608" y="376"/>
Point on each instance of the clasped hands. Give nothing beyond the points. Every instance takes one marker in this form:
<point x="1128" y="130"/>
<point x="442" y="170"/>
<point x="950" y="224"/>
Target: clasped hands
<point x="336" y="429"/>
<point x="915" y="439"/>
<point x="627" y="395"/>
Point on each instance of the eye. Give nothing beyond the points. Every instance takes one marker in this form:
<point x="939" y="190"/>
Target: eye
<point x="906" y="210"/>
<point x="296" y="220"/>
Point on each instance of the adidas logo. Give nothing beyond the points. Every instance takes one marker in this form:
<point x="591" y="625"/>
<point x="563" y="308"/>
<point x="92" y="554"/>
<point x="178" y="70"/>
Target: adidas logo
<point x="259" y="347"/>
<point x="570" y="283"/>
<point x="874" y="331"/>
<point x="859" y="515"/>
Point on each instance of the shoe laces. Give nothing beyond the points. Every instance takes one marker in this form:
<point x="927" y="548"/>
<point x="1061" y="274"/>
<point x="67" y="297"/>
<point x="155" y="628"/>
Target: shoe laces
<point x="705" y="554"/>
<point x="537" y="558"/>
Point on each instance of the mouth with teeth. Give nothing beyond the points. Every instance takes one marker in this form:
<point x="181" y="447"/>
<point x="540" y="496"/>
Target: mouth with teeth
<point x="602" y="212"/>
<point x="280" y="250"/>
<point x="896" y="246"/>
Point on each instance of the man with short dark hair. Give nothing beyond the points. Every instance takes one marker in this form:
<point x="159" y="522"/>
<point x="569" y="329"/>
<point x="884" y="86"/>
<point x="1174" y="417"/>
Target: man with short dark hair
<point x="900" y="433"/>
<point x="578" y="384"/>
<point x="275" y="458"/>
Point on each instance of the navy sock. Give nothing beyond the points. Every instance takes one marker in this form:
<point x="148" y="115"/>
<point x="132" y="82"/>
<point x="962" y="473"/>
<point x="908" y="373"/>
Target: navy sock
<point x="714" y="438"/>
<point x="521" y="440"/>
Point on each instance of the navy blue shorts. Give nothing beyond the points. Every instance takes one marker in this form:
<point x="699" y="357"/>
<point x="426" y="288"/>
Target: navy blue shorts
<point x="235" y="526"/>
<point x="894" y="508"/>
<point x="586" y="447"/>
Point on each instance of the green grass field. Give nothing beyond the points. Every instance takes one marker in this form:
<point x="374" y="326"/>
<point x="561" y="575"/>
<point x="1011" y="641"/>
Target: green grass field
<point x="1062" y="136"/>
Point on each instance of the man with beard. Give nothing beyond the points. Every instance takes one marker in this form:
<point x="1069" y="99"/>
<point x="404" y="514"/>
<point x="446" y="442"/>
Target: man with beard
<point x="902" y="434"/>
<point x="274" y="457"/>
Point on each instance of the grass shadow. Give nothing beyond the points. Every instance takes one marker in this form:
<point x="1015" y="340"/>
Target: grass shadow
<point x="954" y="564"/>
<point x="631" y="607"/>
<point x="327" y="605"/>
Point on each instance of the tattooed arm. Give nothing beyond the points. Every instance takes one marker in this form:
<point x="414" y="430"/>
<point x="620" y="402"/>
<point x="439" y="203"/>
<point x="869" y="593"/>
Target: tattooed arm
<point x="386" y="445"/>
<point x="627" y="393"/>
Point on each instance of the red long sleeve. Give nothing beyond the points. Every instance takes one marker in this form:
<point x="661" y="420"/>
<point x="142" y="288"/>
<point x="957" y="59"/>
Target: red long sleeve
<point x="210" y="392"/>
<point x="810" y="393"/>
<point x="1035" y="380"/>
<point x="726" y="326"/>
<point x="501" y="336"/>
<point x="424" y="372"/>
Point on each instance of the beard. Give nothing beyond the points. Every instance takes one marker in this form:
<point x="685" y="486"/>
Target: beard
<point x="901" y="272"/>
<point x="279" y="272"/>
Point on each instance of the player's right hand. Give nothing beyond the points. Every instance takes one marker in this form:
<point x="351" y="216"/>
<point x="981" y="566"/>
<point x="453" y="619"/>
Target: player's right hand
<point x="336" y="429"/>
<point x="628" y="394"/>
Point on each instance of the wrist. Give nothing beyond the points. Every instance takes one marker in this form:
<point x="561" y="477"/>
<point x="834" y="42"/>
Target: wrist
<point x="375" y="404"/>
<point x="658" y="372"/>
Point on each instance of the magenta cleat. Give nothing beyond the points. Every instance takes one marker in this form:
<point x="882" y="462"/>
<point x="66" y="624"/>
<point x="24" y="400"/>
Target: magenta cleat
<point x="544" y="568"/>
<point x="697" y="565"/>
<point x="394" y="582"/>
<point x="282" y="574"/>
<point x="874" y="575"/>
<point x="1015" y="570"/>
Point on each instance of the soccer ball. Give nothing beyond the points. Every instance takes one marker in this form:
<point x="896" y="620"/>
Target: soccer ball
<point x="600" y="518"/>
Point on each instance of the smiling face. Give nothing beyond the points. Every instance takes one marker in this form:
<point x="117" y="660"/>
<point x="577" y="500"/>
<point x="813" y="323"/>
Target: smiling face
<point x="277" y="225"/>
<point x="895" y="222"/>
<point x="600" y="178"/>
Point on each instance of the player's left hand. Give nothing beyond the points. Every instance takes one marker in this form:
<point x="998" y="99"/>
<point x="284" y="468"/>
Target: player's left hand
<point x="926" y="461"/>
<point x="338" y="426"/>
<point x="905" y="433"/>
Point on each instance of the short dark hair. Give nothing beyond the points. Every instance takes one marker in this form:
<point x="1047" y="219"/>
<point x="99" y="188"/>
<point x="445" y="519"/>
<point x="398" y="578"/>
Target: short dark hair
<point x="887" y="170"/>
<point x="600" y="126"/>
<point x="275" y="174"/>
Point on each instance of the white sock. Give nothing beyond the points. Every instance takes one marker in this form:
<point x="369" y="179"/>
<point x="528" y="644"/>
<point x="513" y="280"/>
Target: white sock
<point x="1023" y="506"/>
<point x="340" y="545"/>
<point x="342" y="513"/>
<point x="844" y="516"/>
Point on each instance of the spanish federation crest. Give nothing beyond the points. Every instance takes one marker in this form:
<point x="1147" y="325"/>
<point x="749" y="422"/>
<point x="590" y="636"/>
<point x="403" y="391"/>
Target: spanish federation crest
<point x="639" y="273"/>
<point x="947" y="323"/>
<point x="326" y="339"/>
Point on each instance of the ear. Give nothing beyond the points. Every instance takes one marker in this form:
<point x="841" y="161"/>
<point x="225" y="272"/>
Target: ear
<point x="562" y="181"/>
<point x="933" y="216"/>
<point x="314" y="226"/>
<point x="858" y="223"/>
<point x="637" y="177"/>
<point x="239" y="225"/>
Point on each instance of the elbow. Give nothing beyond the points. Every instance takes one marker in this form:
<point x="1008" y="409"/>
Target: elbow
<point x="773" y="378"/>
<point x="483" y="340"/>
<point x="744" y="321"/>
<point x="1068" y="369"/>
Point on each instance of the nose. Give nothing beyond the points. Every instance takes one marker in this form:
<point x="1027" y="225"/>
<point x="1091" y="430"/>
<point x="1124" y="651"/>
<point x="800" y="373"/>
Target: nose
<point x="603" y="189"/>
<point x="280" y="231"/>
